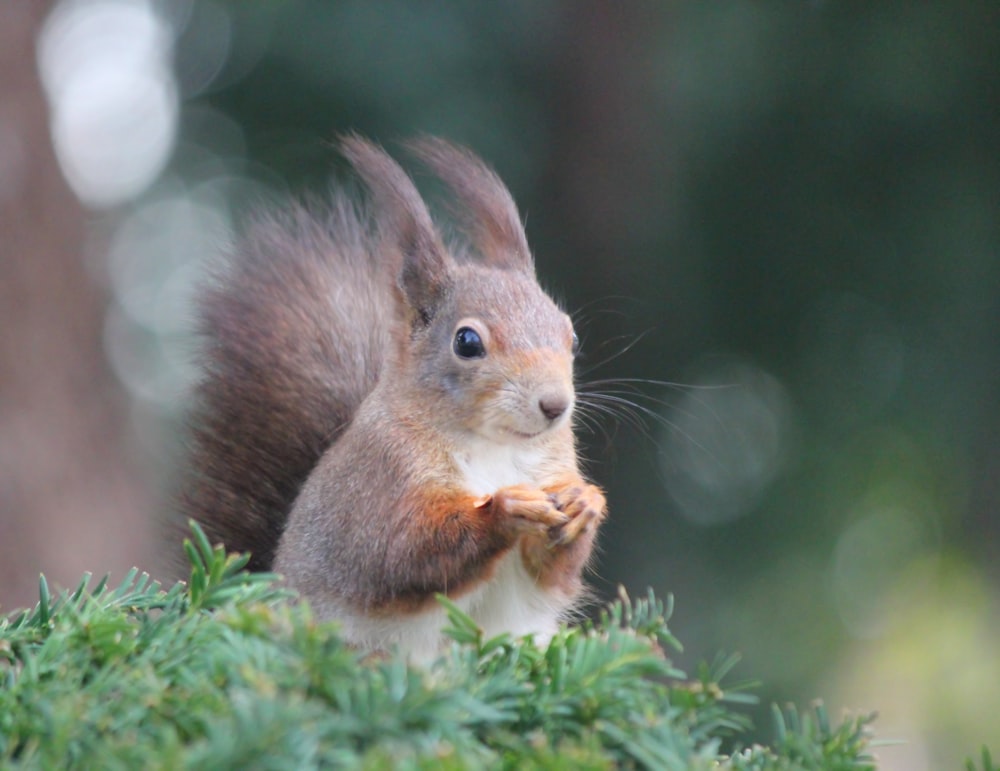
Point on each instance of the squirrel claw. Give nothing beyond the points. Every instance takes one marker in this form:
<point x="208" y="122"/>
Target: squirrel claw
<point x="584" y="507"/>
<point x="566" y="534"/>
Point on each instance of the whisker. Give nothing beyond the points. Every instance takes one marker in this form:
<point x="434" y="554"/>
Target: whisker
<point x="633" y="384"/>
<point x="659" y="402"/>
<point x="589" y="415"/>
<point x="624" y="411"/>
<point x="620" y="407"/>
<point x="579" y="312"/>
<point x="663" y="383"/>
<point x="629" y="408"/>
<point x="594" y="426"/>
<point x="626" y="401"/>
<point x="623" y="351"/>
<point x="624" y="414"/>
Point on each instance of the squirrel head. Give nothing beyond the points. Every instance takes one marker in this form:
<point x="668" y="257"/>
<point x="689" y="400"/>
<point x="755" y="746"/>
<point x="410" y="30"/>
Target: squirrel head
<point x="478" y="339"/>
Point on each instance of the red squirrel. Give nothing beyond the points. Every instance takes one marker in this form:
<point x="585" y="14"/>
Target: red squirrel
<point x="383" y="418"/>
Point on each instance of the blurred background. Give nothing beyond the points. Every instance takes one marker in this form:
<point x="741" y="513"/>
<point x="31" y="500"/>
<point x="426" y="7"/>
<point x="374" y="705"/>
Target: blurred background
<point x="784" y="217"/>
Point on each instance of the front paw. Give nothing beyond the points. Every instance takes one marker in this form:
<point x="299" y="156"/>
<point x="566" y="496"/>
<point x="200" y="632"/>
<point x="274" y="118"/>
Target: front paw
<point x="525" y="509"/>
<point x="585" y="507"/>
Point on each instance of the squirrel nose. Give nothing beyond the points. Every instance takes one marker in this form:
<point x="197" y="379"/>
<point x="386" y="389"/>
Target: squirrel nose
<point x="553" y="405"/>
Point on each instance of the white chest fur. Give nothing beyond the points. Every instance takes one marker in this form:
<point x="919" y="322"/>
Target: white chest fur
<point x="511" y="601"/>
<point x="487" y="466"/>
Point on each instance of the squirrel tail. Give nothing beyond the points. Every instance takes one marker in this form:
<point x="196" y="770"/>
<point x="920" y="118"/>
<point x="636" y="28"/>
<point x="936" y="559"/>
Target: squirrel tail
<point x="292" y="334"/>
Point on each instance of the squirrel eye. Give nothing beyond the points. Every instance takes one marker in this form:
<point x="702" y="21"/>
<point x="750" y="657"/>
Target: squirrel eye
<point x="576" y="344"/>
<point x="468" y="344"/>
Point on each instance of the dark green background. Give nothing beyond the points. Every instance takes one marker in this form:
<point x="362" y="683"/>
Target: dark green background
<point x="797" y="201"/>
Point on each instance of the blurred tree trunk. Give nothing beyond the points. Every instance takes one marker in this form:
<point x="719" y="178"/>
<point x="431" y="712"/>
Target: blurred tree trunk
<point x="601" y="175"/>
<point x="70" y="499"/>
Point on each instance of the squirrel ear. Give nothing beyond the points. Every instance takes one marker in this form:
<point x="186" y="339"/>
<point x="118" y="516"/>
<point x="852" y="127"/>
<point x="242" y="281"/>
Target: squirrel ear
<point x="485" y="207"/>
<point x="403" y="220"/>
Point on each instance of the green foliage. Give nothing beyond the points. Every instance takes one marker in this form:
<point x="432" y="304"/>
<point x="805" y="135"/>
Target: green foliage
<point x="226" y="673"/>
<point x="987" y="763"/>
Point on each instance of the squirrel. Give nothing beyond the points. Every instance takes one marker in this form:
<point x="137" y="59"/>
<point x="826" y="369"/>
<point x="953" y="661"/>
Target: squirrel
<point x="382" y="418"/>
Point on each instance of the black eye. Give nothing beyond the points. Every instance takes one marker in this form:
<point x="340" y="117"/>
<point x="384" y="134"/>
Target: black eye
<point x="576" y="344"/>
<point x="468" y="344"/>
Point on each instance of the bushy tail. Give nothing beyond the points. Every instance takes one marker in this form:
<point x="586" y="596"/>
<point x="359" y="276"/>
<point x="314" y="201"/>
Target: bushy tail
<point x="293" y="331"/>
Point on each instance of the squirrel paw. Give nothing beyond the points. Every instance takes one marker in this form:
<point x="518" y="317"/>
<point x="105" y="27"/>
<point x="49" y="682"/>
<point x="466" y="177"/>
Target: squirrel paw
<point x="526" y="509"/>
<point x="584" y="505"/>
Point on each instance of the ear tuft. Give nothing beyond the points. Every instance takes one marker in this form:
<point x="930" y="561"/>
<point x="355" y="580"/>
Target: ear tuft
<point x="484" y="205"/>
<point x="404" y="224"/>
